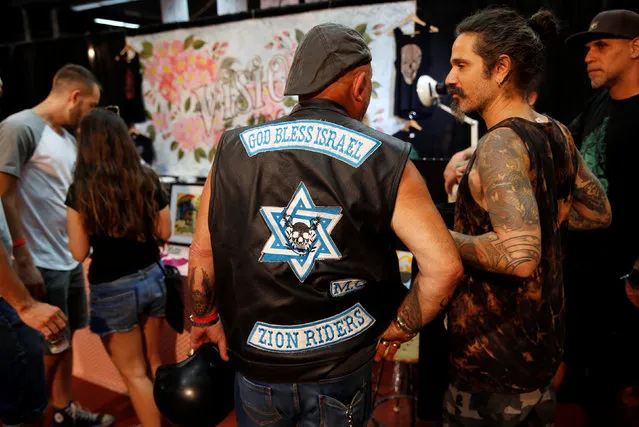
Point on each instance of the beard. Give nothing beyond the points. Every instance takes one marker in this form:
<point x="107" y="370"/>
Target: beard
<point x="599" y="82"/>
<point x="455" y="103"/>
<point x="75" y="116"/>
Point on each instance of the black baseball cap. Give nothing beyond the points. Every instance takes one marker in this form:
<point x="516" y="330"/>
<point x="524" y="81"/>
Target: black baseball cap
<point x="328" y="51"/>
<point x="610" y="24"/>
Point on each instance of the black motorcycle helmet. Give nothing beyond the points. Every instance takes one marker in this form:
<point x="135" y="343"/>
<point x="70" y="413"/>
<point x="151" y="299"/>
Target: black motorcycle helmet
<point x="197" y="391"/>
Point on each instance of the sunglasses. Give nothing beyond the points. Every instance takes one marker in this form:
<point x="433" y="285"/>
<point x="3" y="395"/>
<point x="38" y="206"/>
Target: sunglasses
<point x="113" y="108"/>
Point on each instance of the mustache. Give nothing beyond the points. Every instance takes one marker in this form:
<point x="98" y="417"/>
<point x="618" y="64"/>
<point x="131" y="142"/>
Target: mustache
<point x="452" y="90"/>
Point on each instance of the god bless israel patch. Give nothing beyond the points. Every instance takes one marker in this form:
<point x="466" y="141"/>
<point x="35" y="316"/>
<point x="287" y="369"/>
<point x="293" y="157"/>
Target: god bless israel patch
<point x="326" y="138"/>
<point x="310" y="336"/>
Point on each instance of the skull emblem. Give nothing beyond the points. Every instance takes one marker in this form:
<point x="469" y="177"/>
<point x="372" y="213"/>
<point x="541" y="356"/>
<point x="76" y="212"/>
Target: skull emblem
<point x="300" y="236"/>
<point x="411" y="60"/>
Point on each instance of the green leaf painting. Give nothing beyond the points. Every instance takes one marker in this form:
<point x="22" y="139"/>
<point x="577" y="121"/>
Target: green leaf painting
<point x="147" y="50"/>
<point x="188" y="41"/>
<point x="199" y="154"/>
<point x="150" y="129"/>
<point x="361" y="28"/>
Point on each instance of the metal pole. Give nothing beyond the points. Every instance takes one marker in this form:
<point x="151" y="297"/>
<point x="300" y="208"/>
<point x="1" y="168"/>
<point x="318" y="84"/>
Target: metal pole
<point x="55" y="24"/>
<point x="25" y="25"/>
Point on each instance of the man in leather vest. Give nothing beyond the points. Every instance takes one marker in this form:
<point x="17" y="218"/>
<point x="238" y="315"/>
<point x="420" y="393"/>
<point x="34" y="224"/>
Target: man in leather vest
<point x="293" y="270"/>
<point x="524" y="185"/>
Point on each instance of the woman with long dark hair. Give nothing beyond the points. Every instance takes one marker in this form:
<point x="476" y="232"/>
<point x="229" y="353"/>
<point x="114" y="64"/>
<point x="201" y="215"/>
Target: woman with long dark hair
<point x="118" y="207"/>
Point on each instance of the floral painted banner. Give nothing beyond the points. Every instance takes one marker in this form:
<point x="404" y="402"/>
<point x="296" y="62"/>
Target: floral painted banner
<point x="199" y="82"/>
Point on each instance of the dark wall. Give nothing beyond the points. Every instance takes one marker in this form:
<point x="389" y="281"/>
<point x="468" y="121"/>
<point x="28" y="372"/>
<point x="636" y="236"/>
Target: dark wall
<point x="566" y="87"/>
<point x="27" y="68"/>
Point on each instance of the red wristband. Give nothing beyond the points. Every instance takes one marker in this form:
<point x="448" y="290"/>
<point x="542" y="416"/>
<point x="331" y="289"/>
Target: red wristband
<point x="206" y="319"/>
<point x="19" y="242"/>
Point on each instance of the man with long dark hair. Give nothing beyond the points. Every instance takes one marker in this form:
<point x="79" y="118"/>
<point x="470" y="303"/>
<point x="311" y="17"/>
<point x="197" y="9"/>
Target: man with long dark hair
<point x="37" y="156"/>
<point x="524" y="184"/>
<point x="294" y="247"/>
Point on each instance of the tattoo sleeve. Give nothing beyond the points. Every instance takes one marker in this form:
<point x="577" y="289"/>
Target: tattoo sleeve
<point x="590" y="207"/>
<point x="202" y="292"/>
<point x="410" y="311"/>
<point x="514" y="247"/>
<point x="423" y="302"/>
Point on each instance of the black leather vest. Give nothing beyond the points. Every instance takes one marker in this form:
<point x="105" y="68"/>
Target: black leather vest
<point x="306" y="273"/>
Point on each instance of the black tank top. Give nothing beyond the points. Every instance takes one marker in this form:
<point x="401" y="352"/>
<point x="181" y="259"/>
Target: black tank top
<point x="507" y="333"/>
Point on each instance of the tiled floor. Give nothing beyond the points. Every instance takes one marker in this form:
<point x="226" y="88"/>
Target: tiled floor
<point x="103" y="400"/>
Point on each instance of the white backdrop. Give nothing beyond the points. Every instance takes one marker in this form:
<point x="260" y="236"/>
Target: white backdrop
<point x="200" y="81"/>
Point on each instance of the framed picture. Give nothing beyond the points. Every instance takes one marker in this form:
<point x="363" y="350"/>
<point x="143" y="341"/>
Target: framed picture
<point x="185" y="202"/>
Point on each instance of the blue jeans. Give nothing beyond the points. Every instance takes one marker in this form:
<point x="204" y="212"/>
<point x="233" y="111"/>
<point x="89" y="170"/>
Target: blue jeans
<point x="117" y="306"/>
<point x="336" y="402"/>
<point x="23" y="388"/>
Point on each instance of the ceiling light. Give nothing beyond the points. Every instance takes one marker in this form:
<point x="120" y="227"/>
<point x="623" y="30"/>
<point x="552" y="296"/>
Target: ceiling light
<point x="97" y="4"/>
<point x="115" y="23"/>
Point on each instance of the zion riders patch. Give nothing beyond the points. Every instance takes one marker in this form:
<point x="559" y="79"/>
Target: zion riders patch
<point x="310" y="336"/>
<point x="300" y="233"/>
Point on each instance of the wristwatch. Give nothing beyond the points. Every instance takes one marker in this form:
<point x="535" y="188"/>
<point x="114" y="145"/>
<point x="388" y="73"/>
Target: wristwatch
<point x="632" y="277"/>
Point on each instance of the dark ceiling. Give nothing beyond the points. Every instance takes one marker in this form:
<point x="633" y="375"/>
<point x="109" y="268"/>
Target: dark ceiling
<point x="42" y="16"/>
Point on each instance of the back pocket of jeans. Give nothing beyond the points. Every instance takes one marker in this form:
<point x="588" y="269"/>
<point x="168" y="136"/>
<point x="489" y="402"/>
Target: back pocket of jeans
<point x="115" y="312"/>
<point x="334" y="413"/>
<point x="257" y="401"/>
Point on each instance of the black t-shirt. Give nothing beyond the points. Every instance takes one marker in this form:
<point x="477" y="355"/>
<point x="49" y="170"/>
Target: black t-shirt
<point x="607" y="136"/>
<point x="113" y="258"/>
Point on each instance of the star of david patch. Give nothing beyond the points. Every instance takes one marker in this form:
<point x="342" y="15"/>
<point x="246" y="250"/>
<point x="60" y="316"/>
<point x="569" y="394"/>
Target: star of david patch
<point x="300" y="233"/>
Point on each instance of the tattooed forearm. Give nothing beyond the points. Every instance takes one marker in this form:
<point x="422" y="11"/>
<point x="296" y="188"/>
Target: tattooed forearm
<point x="514" y="247"/>
<point x="590" y="207"/>
<point x="410" y="311"/>
<point x="489" y="253"/>
<point x="578" y="222"/>
<point x="202" y="292"/>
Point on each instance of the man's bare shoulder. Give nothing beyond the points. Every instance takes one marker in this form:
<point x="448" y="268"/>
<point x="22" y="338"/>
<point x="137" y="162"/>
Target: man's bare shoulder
<point x="500" y="143"/>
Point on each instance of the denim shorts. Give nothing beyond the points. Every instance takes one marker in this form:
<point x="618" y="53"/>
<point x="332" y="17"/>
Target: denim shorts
<point x="23" y="389"/>
<point x="117" y="306"/>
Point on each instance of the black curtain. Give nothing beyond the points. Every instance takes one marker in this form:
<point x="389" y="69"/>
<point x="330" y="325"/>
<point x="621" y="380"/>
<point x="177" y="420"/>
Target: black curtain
<point x="566" y="88"/>
<point x="28" y="68"/>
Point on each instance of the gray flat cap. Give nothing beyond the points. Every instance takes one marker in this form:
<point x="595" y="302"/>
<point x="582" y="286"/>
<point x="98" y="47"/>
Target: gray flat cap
<point x="327" y="51"/>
